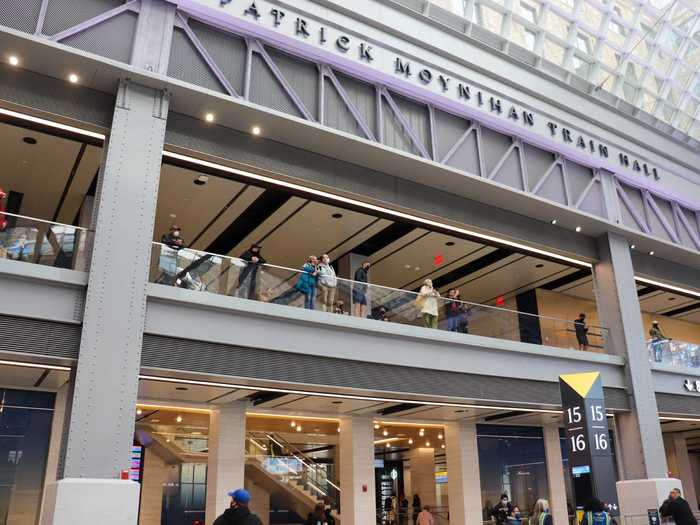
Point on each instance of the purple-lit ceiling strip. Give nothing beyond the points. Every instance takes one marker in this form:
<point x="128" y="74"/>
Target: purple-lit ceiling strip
<point x="87" y="24"/>
<point x="221" y="19"/>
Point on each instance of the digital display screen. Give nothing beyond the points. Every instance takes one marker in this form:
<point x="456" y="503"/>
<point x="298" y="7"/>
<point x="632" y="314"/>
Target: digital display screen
<point x="578" y="471"/>
<point x="441" y="477"/>
<point x="136" y="463"/>
<point x="378" y="463"/>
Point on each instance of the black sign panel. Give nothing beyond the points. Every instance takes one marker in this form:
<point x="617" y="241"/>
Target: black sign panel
<point x="587" y="437"/>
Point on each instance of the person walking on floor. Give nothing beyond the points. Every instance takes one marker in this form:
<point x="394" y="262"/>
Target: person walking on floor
<point x="238" y="513"/>
<point x="359" y="290"/>
<point x="677" y="508"/>
<point x="327" y="282"/>
<point x="502" y="510"/>
<point x="581" y="332"/>
<point x="317" y="517"/>
<point x="247" y="278"/>
<point x="594" y="513"/>
<point x="540" y="514"/>
<point x="305" y="285"/>
<point x="427" y="302"/>
<point x="416" y="505"/>
<point x="425" y="517"/>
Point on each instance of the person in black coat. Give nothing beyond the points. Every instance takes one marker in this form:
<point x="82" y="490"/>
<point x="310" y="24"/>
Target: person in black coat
<point x="581" y="332"/>
<point x="173" y="238"/>
<point x="677" y="508"/>
<point x="502" y="510"/>
<point x="238" y="513"/>
<point x="249" y="274"/>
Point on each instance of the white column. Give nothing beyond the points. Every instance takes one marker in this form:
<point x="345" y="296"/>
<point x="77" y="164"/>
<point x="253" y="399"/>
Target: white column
<point x="555" y="474"/>
<point x="259" y="501"/>
<point x="684" y="471"/>
<point x="356" y="466"/>
<point x="58" y="422"/>
<point x="423" y="474"/>
<point x="226" y="466"/>
<point x="464" y="481"/>
<point x="155" y="475"/>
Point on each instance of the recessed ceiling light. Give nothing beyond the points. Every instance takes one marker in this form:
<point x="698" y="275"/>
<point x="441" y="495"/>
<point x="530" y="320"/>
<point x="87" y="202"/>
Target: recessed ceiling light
<point x="29" y="140"/>
<point x="139" y="411"/>
<point x="410" y="441"/>
<point x="651" y="252"/>
<point x="407" y="266"/>
<point x="255" y="130"/>
<point x="553" y="221"/>
<point x="427" y="443"/>
<point x="449" y="243"/>
<point x="209" y="117"/>
<point x="337" y="215"/>
<point x="299" y="428"/>
<point x="13" y="60"/>
<point x="293" y="424"/>
<point x="671" y="298"/>
<point x="439" y="436"/>
<point x="178" y="419"/>
<point x="633" y="246"/>
<point x="73" y="78"/>
<point x="539" y="265"/>
<point x="417" y="268"/>
<point x="385" y="433"/>
<point x="376" y="426"/>
<point x="172" y="215"/>
<point x="578" y="229"/>
<point x="337" y="402"/>
<point x="388" y="445"/>
<point x="181" y="388"/>
<point x="442" y="446"/>
<point x="201" y="180"/>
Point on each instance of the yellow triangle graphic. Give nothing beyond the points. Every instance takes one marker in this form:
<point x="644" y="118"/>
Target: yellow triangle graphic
<point x="581" y="383"/>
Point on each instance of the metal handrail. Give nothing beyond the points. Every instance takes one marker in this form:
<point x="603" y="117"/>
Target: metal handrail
<point x="34" y="219"/>
<point x="243" y="262"/>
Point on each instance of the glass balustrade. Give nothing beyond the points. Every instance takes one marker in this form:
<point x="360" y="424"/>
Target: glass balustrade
<point x="674" y="353"/>
<point x="47" y="243"/>
<point x="202" y="271"/>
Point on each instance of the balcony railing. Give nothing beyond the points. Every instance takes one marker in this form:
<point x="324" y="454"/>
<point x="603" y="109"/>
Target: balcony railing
<point x="674" y="353"/>
<point x="42" y="242"/>
<point x="197" y="270"/>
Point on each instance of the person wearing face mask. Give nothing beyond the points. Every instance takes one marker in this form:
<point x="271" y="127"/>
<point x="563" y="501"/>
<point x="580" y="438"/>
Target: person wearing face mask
<point x="173" y="238"/>
<point x="427" y="302"/>
<point x="238" y="513"/>
<point x="502" y="510"/>
<point x="327" y="282"/>
<point x="173" y="242"/>
<point x="247" y="279"/>
<point x="515" y="517"/>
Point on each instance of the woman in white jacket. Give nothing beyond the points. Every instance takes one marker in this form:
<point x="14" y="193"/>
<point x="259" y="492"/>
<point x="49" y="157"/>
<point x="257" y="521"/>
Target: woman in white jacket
<point x="328" y="283"/>
<point x="427" y="301"/>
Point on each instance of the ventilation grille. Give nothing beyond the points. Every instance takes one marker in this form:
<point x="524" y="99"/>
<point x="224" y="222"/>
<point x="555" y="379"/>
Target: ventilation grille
<point x="22" y="16"/>
<point x="678" y="404"/>
<point x="212" y="358"/>
<point x="37" y="337"/>
<point x="62" y="14"/>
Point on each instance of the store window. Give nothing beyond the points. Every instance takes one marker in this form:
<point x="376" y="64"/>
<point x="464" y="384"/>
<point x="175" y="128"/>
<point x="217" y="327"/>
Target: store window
<point x="25" y="420"/>
<point x="511" y="461"/>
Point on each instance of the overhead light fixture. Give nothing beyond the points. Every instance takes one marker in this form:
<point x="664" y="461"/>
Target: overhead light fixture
<point x="421" y="432"/>
<point x="178" y="419"/>
<point x="255" y="130"/>
<point x="139" y="411"/>
<point x="684" y="291"/>
<point x="376" y="426"/>
<point x="293" y="424"/>
<point x="439" y="436"/>
<point x="442" y="446"/>
<point x="633" y="246"/>
<point x="651" y="252"/>
<point x="196" y="433"/>
<point x="530" y="250"/>
<point x="385" y="433"/>
<point x="338" y="429"/>
<point x="388" y="445"/>
<point x="73" y="78"/>
<point x="209" y="117"/>
<point x="51" y="124"/>
<point x="578" y="229"/>
<point x="553" y="221"/>
<point x="449" y="243"/>
<point x="427" y="443"/>
<point x="337" y="215"/>
<point x="299" y="428"/>
<point x="13" y="60"/>
<point x="201" y="180"/>
<point x="410" y="441"/>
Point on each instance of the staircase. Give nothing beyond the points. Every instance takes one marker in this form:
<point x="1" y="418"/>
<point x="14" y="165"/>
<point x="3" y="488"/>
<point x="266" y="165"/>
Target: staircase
<point x="280" y="467"/>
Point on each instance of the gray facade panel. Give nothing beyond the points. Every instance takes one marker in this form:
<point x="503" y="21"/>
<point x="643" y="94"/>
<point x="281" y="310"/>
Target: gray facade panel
<point x="228" y="51"/>
<point x="268" y="365"/>
<point x="62" y="14"/>
<point x="40" y="338"/>
<point x="55" y="96"/>
<point x="112" y="38"/>
<point x="22" y="16"/>
<point x="187" y="65"/>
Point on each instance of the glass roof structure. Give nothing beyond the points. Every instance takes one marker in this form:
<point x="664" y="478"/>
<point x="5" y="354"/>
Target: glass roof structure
<point x="645" y="52"/>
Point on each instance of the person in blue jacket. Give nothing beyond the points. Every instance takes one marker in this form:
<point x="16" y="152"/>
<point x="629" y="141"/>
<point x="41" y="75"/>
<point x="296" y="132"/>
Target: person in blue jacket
<point x="306" y="285"/>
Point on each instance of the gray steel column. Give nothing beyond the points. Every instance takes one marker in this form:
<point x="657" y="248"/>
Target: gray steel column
<point x="618" y="306"/>
<point x="106" y="382"/>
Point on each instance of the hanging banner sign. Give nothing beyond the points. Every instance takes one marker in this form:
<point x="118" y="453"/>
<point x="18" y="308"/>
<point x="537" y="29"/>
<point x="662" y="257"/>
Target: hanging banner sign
<point x="588" y="440"/>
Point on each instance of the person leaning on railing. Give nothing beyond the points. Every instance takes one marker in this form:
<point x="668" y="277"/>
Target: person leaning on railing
<point x="657" y="340"/>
